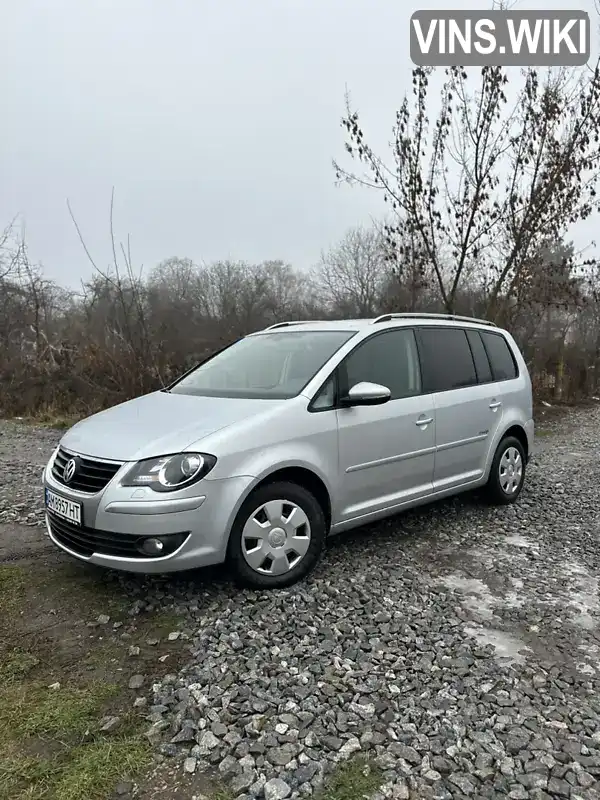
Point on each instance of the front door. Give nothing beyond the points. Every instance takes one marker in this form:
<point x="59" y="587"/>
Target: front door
<point x="386" y="452"/>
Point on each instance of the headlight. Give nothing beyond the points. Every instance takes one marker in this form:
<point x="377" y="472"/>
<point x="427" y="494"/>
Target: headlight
<point x="167" y="473"/>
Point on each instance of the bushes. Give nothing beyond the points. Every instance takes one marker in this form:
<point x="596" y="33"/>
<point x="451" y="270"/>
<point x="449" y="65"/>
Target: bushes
<point x="65" y="353"/>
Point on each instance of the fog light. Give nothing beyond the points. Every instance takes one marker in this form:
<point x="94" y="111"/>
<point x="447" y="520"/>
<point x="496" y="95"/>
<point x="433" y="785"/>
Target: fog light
<point x="152" y="547"/>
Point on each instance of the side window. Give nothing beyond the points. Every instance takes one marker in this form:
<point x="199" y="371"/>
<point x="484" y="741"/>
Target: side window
<point x="390" y="359"/>
<point x="504" y="367"/>
<point x="482" y="364"/>
<point x="446" y="359"/>
<point x="325" y="397"/>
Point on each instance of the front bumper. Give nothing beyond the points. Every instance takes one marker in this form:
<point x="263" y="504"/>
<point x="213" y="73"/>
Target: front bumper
<point x="117" y="517"/>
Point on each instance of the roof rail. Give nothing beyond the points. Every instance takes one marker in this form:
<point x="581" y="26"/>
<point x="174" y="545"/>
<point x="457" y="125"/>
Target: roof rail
<point x="289" y="322"/>
<point x="416" y="315"/>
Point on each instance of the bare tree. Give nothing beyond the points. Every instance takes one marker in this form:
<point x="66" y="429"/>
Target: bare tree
<point x="351" y="276"/>
<point x="12" y="250"/>
<point x="479" y="189"/>
<point x="129" y="327"/>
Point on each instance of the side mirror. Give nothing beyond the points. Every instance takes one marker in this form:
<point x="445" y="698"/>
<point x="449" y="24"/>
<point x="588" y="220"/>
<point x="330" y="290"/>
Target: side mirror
<point x="367" y="394"/>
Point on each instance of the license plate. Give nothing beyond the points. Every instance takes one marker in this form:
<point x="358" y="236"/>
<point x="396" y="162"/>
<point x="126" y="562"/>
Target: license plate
<point x="67" y="509"/>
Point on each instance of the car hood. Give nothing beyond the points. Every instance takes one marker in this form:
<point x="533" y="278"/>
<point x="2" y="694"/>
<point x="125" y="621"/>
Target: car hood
<point x="157" y="424"/>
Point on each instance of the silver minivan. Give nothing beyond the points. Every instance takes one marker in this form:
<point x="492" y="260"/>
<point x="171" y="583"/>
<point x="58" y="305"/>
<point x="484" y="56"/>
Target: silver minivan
<point x="291" y="434"/>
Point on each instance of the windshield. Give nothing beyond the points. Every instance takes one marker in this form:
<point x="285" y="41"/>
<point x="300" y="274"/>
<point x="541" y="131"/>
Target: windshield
<point x="267" y="366"/>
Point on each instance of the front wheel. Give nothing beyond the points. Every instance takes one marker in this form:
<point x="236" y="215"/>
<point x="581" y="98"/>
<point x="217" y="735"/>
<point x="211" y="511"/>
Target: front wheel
<point x="507" y="473"/>
<point x="277" y="537"/>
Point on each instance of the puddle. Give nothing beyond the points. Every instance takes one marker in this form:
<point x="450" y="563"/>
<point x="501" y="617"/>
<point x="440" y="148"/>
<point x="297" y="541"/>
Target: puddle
<point x="478" y="598"/>
<point x="485" y="559"/>
<point x="513" y="600"/>
<point x="508" y="648"/>
<point x="516" y="540"/>
<point x="571" y="593"/>
<point x="581" y="596"/>
<point x="592" y="654"/>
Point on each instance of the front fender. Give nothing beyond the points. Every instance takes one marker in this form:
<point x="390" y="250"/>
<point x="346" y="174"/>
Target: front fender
<point x="261" y="465"/>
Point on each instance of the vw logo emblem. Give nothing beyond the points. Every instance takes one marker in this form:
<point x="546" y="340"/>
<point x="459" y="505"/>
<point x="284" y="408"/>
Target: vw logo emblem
<point x="69" y="470"/>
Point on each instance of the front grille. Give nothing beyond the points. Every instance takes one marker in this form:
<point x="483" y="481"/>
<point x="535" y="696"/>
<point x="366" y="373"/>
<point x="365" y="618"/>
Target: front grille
<point x="86" y="541"/>
<point x="90" y="476"/>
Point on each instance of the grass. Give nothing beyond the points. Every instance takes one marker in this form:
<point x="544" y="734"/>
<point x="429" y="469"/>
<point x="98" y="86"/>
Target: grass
<point x="50" y="418"/>
<point x="94" y="770"/>
<point x="352" y="780"/>
<point x="35" y="710"/>
<point x="51" y="745"/>
<point x="15" y="664"/>
<point x="61" y="423"/>
<point x="13" y="583"/>
<point x="85" y="772"/>
<point x="222" y="793"/>
<point x="96" y="591"/>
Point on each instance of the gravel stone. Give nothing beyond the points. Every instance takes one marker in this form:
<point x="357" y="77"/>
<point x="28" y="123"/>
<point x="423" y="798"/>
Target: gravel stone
<point x="400" y="790"/>
<point x="136" y="681"/>
<point x="110" y="724"/>
<point x="207" y="742"/>
<point x="463" y="782"/>
<point x="559" y="788"/>
<point x="405" y="752"/>
<point x="306" y="772"/>
<point x="332" y="742"/>
<point x="229" y="766"/>
<point x="276" y="789"/>
<point x="242" y="782"/>
<point x="219" y="729"/>
<point x="349" y="748"/>
<point x="189" y="765"/>
<point x="281" y="756"/>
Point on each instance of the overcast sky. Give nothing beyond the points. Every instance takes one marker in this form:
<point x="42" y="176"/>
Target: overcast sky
<point x="215" y="121"/>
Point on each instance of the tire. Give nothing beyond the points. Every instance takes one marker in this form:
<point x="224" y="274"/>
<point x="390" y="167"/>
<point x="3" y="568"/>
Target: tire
<point x="276" y="557"/>
<point x="501" y="488"/>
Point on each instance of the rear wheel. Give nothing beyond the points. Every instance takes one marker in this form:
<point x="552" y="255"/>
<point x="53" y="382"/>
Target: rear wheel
<point x="507" y="474"/>
<point x="277" y="537"/>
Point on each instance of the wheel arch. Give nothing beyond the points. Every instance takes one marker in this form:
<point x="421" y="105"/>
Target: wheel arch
<point x="515" y="429"/>
<point x="519" y="433"/>
<point x="302" y="476"/>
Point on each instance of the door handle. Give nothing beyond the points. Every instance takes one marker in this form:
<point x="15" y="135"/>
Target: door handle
<point x="495" y="404"/>
<point x="425" y="421"/>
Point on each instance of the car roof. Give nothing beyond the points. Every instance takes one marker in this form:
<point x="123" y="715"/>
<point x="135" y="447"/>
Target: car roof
<point x="383" y="321"/>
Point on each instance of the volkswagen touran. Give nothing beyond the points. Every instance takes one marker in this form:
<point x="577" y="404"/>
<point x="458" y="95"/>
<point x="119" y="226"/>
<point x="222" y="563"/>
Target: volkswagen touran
<point x="288" y="436"/>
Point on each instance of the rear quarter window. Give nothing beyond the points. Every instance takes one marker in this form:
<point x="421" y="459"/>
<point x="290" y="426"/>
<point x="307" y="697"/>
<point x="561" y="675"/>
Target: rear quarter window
<point x="502" y="360"/>
<point x="482" y="362"/>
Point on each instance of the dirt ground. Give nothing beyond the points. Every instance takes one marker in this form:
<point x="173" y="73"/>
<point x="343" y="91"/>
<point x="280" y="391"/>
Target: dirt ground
<point x="71" y="640"/>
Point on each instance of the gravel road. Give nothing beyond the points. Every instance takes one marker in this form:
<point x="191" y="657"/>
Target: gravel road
<point x="456" y="648"/>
